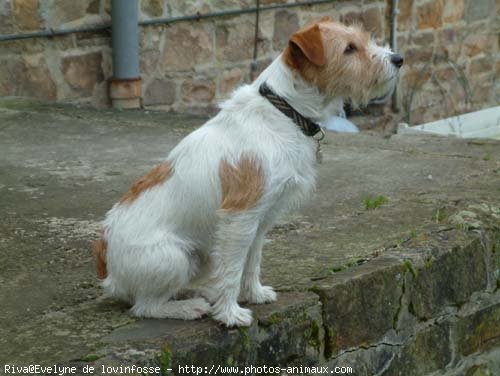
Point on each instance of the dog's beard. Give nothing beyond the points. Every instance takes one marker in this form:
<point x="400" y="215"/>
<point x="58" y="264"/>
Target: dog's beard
<point x="384" y="91"/>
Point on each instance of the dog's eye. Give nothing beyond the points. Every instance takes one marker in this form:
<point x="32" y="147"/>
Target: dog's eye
<point x="351" y="48"/>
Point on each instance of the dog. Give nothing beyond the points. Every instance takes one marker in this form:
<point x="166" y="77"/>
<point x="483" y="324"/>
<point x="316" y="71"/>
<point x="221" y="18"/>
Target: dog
<point x="197" y="221"/>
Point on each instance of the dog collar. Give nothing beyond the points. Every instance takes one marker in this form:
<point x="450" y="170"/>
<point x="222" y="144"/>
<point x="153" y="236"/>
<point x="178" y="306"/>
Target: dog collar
<point x="308" y="127"/>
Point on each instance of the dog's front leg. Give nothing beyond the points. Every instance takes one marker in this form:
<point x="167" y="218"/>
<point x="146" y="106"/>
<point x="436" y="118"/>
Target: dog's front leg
<point x="235" y="234"/>
<point x="252" y="289"/>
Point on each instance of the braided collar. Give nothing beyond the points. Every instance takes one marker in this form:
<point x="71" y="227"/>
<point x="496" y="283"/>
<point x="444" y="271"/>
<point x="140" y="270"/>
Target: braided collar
<point x="308" y="127"/>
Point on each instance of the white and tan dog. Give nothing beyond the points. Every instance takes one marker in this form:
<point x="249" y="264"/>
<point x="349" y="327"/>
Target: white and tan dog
<point x="198" y="220"/>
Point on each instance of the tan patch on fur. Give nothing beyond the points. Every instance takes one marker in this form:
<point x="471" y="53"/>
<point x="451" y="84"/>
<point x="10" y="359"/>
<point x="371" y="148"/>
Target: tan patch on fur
<point x="306" y="44"/>
<point x="100" y="248"/>
<point x="156" y="176"/>
<point x="242" y="183"/>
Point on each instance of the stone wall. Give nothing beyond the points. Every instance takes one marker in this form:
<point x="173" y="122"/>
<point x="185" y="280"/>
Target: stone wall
<point x="451" y="50"/>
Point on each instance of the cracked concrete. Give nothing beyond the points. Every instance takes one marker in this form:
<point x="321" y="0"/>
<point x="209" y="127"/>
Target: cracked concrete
<point x="383" y="276"/>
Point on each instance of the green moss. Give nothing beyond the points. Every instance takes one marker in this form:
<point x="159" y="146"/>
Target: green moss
<point x="90" y="358"/>
<point x="439" y="215"/>
<point x="315" y="289"/>
<point x="165" y="359"/>
<point x="336" y="269"/>
<point x="428" y="262"/>
<point x="487" y="157"/>
<point x="339" y="268"/>
<point x="409" y="266"/>
<point x="245" y="337"/>
<point x="373" y="203"/>
<point x="413" y="234"/>
<point x="275" y="318"/>
<point x="312" y="335"/>
<point x="329" y="341"/>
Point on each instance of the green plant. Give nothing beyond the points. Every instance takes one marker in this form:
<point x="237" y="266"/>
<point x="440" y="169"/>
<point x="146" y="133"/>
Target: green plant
<point x="373" y="203"/>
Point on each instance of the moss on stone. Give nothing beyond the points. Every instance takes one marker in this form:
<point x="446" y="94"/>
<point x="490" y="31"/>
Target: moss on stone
<point x="409" y="266"/>
<point x="428" y="262"/>
<point x="90" y="358"/>
<point x="312" y="335"/>
<point x="245" y="337"/>
<point x="275" y="318"/>
<point x="165" y="359"/>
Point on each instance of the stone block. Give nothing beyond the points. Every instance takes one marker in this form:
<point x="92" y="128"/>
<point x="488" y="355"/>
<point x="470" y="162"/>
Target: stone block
<point x="159" y="92"/>
<point x="424" y="39"/>
<point x="477" y="43"/>
<point x="405" y="14"/>
<point x="26" y="14"/>
<point x="429" y="351"/>
<point x="32" y="78"/>
<point x="429" y="15"/>
<point x="152" y="8"/>
<point x="187" y="46"/>
<point x="235" y="43"/>
<point x="453" y="11"/>
<point x="371" y="19"/>
<point x="82" y="72"/>
<point x="63" y="11"/>
<point x="448" y="281"/>
<point x="361" y="305"/>
<point x="478" y="9"/>
<point x="478" y="331"/>
<point x="198" y="91"/>
<point x="285" y="24"/>
<point x="6" y="18"/>
<point x="413" y="77"/>
<point x="481" y="65"/>
<point x="230" y="79"/>
<point x="285" y="333"/>
<point x="94" y="7"/>
<point x="415" y="55"/>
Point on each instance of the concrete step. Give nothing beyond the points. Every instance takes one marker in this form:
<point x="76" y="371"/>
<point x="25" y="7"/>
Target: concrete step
<point x="409" y="287"/>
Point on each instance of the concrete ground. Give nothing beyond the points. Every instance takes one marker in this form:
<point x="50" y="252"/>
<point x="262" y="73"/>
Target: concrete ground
<point x="62" y="168"/>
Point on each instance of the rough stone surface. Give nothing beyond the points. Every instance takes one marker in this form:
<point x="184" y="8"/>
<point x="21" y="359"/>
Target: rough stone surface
<point x="32" y="78"/>
<point x="83" y="72"/>
<point x="152" y="8"/>
<point x="448" y="281"/>
<point x="160" y="92"/>
<point x="187" y="46"/>
<point x="63" y="11"/>
<point x="429" y="351"/>
<point x="478" y="9"/>
<point x="285" y="24"/>
<point x="376" y="290"/>
<point x="429" y="14"/>
<point x="478" y="331"/>
<point x="26" y="14"/>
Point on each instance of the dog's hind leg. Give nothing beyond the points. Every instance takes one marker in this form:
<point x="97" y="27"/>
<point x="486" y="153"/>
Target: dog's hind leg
<point x="189" y="309"/>
<point x="165" y="269"/>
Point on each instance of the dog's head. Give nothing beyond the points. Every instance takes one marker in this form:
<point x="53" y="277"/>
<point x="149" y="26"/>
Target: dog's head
<point x="342" y="61"/>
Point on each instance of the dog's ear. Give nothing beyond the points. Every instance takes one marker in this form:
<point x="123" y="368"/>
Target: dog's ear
<point x="307" y="43"/>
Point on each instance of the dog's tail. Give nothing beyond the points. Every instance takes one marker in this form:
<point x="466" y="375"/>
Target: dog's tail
<point x="100" y="248"/>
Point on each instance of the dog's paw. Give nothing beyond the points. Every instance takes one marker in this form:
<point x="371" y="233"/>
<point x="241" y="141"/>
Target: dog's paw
<point x="196" y="308"/>
<point x="260" y="295"/>
<point x="236" y="316"/>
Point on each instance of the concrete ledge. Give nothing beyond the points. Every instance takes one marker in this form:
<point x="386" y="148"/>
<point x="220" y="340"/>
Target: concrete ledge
<point x="410" y="288"/>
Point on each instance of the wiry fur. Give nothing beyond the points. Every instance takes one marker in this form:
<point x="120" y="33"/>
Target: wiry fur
<point x="200" y="224"/>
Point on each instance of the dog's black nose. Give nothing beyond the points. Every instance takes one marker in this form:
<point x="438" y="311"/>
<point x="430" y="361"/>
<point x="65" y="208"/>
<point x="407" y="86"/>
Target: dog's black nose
<point x="397" y="60"/>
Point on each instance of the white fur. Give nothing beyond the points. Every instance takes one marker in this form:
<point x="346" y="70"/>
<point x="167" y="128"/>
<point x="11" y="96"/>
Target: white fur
<point x="174" y="236"/>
